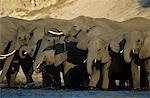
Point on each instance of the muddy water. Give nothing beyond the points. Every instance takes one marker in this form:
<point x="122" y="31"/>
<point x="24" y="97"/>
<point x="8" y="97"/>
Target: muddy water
<point x="38" y="93"/>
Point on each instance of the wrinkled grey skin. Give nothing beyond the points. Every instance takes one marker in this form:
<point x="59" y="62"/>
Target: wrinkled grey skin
<point x="32" y="33"/>
<point x="145" y="54"/>
<point x="85" y="24"/>
<point x="42" y="56"/>
<point x="145" y="49"/>
<point x="8" y="33"/>
<point x="98" y="51"/>
<point x="13" y="29"/>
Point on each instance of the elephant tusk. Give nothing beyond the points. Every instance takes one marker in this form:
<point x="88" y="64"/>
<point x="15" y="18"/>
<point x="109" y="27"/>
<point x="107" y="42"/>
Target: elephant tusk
<point x="2" y="57"/>
<point x="133" y="50"/>
<point x="85" y="61"/>
<point x="38" y="65"/>
<point x="121" y="51"/>
<point x="95" y="60"/>
<point x="5" y="55"/>
<point x="55" y="33"/>
<point x="32" y="61"/>
<point x="139" y="68"/>
<point x="26" y="53"/>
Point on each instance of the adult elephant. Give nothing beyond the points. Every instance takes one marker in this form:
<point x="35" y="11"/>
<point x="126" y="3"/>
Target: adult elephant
<point x="26" y="65"/>
<point x="98" y="51"/>
<point x="12" y="32"/>
<point x="144" y="54"/>
<point x="8" y="32"/>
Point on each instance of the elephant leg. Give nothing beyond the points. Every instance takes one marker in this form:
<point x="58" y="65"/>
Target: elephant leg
<point x="122" y="83"/>
<point x="105" y="75"/>
<point x="135" y="75"/>
<point x="51" y="76"/>
<point x="147" y="68"/>
<point x="11" y="74"/>
<point x="28" y="70"/>
<point x="143" y="78"/>
<point x="95" y="76"/>
<point x="29" y="75"/>
<point x="7" y="63"/>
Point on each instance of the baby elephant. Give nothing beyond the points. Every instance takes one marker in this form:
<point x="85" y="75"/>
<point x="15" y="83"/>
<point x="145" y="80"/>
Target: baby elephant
<point x="68" y="61"/>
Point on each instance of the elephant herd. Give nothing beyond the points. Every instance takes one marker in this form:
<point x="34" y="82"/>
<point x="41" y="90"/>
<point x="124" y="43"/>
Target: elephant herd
<point x="84" y="52"/>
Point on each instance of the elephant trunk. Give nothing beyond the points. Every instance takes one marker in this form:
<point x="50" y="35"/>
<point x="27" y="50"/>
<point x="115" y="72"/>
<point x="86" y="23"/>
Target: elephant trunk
<point x="90" y="57"/>
<point x="7" y="63"/>
<point x="127" y="52"/>
<point x="23" y="51"/>
<point x="37" y="64"/>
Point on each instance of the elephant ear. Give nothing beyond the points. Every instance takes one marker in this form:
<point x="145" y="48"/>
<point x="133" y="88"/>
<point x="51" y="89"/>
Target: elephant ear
<point x="105" y="57"/>
<point x="60" y="58"/>
<point x="82" y="44"/>
<point x="82" y="41"/>
<point x="115" y="44"/>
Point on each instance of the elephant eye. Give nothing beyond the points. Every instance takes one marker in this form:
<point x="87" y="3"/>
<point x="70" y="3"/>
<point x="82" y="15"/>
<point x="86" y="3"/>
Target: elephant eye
<point x="45" y="56"/>
<point x="138" y="40"/>
<point x="75" y="26"/>
<point x="31" y="34"/>
<point x="19" y="37"/>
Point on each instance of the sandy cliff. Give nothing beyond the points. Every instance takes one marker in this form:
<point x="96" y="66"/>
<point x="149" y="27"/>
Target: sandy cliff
<point x="67" y="9"/>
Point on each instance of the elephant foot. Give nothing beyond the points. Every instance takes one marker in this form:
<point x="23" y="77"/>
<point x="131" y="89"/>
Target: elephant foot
<point x="29" y="80"/>
<point x="94" y="78"/>
<point x="135" y="69"/>
<point x="33" y="85"/>
<point x="11" y="75"/>
<point x="105" y="76"/>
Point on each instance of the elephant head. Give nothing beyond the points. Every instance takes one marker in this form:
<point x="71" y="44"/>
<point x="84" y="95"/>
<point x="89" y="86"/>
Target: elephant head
<point x="44" y="57"/>
<point x="81" y="26"/>
<point x="97" y="51"/>
<point x="145" y="49"/>
<point x="24" y="50"/>
<point x="29" y="34"/>
<point x="83" y="22"/>
<point x="49" y="57"/>
<point x="133" y="42"/>
<point x="59" y="26"/>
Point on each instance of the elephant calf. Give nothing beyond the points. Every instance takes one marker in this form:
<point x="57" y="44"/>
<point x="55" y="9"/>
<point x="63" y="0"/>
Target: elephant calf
<point x="72" y="66"/>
